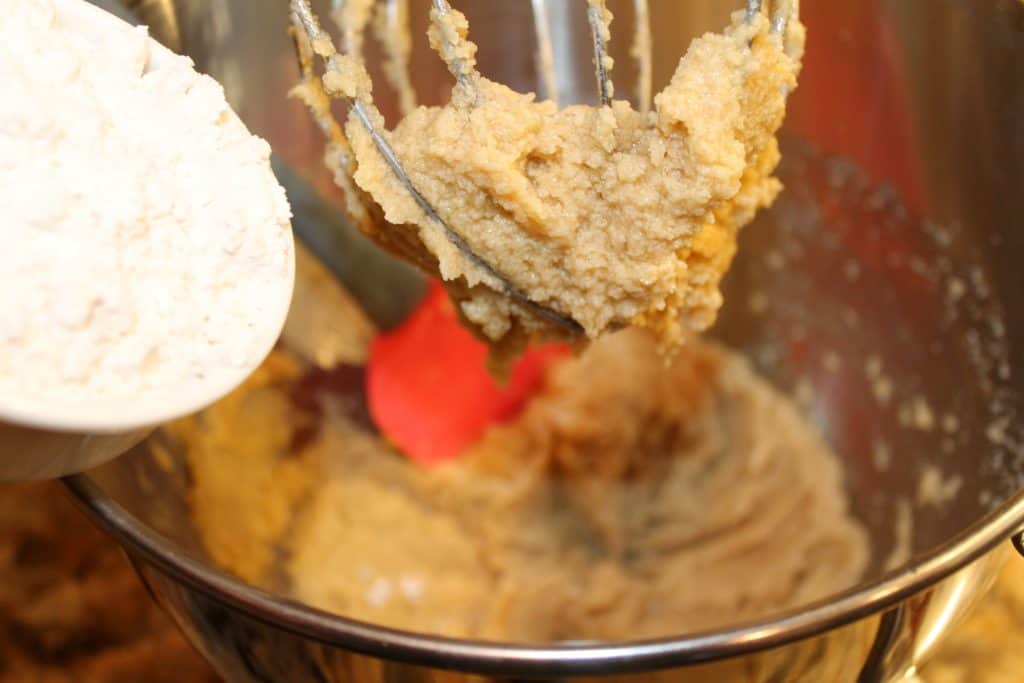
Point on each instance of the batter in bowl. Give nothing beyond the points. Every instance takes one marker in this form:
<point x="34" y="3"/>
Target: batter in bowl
<point x="626" y="501"/>
<point x="606" y="216"/>
<point x="633" y="497"/>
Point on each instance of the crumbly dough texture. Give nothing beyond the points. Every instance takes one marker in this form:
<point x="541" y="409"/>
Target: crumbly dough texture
<point x="627" y="501"/>
<point x="605" y="215"/>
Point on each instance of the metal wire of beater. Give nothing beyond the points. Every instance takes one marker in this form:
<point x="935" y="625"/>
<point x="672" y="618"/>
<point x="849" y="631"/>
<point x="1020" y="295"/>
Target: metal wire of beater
<point x="309" y="33"/>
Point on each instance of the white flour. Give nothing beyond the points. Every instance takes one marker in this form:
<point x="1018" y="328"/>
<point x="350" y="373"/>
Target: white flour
<point x="145" y="241"/>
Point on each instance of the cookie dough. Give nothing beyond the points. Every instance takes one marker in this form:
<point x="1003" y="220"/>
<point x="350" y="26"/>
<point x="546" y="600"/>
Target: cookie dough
<point x="608" y="216"/>
<point x="627" y="501"/>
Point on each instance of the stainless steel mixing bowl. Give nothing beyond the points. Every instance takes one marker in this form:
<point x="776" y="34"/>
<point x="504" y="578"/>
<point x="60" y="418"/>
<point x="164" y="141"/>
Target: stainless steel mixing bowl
<point x="881" y="291"/>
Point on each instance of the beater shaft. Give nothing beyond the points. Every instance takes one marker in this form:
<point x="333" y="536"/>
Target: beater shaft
<point x="642" y="52"/>
<point x="545" y="50"/>
<point x="600" y="30"/>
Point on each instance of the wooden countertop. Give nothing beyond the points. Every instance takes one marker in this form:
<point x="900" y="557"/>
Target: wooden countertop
<point x="71" y="608"/>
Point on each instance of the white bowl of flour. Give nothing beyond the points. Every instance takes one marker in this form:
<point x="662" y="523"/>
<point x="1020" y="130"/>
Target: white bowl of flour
<point x="147" y="260"/>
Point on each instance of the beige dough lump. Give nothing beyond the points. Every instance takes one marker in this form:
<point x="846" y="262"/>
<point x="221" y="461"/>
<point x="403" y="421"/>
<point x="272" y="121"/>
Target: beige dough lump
<point x="628" y="500"/>
<point x="605" y="215"/>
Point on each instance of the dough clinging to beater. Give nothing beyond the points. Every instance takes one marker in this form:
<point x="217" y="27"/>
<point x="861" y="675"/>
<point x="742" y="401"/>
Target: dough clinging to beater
<point x="578" y="219"/>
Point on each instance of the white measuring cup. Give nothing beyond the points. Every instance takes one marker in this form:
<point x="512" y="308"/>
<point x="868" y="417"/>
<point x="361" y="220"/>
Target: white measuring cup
<point x="43" y="439"/>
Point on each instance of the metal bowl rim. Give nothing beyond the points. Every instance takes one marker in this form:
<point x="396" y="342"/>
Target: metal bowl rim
<point x="494" y="658"/>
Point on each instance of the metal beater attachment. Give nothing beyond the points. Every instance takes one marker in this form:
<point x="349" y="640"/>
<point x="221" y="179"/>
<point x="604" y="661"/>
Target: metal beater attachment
<point x="354" y="18"/>
<point x="782" y="13"/>
<point x="309" y="34"/>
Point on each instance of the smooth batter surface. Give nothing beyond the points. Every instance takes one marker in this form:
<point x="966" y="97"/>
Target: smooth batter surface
<point x="605" y="215"/>
<point x="627" y="501"/>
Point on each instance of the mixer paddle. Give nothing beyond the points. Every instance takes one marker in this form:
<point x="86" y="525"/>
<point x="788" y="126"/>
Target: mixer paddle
<point x="308" y="31"/>
<point x="528" y="294"/>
